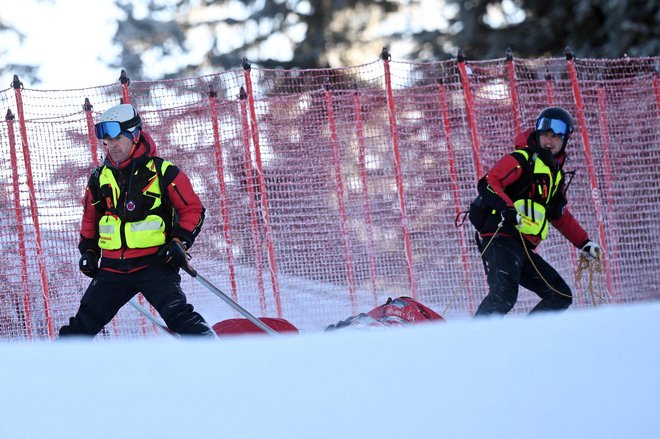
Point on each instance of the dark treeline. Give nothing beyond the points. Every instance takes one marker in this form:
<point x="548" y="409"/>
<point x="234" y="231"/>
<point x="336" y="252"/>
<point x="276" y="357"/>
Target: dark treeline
<point x="307" y="34"/>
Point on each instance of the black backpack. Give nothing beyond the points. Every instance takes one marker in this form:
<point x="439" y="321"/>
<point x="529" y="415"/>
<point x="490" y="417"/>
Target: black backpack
<point x="479" y="211"/>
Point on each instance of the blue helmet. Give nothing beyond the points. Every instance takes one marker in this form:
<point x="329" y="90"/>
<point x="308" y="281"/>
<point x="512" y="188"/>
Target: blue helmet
<point x="557" y="120"/>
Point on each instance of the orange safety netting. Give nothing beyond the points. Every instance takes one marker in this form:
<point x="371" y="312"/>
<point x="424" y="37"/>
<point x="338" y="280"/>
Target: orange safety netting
<point x="328" y="191"/>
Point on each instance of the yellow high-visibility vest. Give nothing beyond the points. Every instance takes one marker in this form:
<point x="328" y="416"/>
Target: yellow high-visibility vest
<point x="533" y="210"/>
<point x="150" y="231"/>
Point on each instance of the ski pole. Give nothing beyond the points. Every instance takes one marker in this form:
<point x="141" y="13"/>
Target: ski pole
<point x="155" y="320"/>
<point x="261" y="325"/>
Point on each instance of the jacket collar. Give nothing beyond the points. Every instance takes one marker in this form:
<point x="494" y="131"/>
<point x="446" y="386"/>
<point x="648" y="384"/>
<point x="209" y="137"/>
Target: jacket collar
<point x="143" y="151"/>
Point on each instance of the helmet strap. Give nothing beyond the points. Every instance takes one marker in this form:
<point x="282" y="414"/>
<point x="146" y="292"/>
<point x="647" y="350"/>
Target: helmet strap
<point x="136" y="135"/>
<point x="130" y="154"/>
<point x="136" y="139"/>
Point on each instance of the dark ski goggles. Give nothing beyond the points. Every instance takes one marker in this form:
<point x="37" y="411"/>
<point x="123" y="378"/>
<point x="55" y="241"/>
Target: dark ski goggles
<point x="557" y="126"/>
<point x="113" y="129"/>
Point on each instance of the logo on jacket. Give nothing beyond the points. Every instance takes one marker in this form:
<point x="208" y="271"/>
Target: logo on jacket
<point x="130" y="206"/>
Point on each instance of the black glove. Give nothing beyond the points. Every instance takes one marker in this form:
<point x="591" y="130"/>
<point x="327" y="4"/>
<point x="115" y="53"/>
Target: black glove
<point x="510" y="216"/>
<point x="174" y="253"/>
<point x="89" y="263"/>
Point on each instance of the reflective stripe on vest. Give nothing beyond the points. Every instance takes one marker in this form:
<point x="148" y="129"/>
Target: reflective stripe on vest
<point x="534" y="219"/>
<point x="149" y="232"/>
<point x="110" y="232"/>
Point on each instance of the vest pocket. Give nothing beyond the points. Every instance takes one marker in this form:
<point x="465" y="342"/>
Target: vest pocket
<point x="149" y="232"/>
<point x="110" y="232"/>
<point x="533" y="217"/>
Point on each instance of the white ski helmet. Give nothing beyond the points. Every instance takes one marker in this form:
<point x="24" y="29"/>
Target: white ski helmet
<point x="117" y="119"/>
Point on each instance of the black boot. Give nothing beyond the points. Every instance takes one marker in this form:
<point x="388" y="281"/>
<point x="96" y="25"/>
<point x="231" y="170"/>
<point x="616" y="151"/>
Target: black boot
<point x="493" y="304"/>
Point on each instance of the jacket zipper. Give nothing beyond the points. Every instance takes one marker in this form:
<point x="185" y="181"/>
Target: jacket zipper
<point x="122" y="230"/>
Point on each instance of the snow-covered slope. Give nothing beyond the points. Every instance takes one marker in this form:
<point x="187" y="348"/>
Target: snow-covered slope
<point x="578" y="374"/>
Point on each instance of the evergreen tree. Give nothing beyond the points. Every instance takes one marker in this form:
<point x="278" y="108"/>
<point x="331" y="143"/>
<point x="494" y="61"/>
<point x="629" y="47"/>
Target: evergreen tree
<point x="538" y="28"/>
<point x="185" y="38"/>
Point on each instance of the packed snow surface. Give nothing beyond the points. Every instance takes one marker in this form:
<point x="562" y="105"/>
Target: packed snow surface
<point x="579" y="374"/>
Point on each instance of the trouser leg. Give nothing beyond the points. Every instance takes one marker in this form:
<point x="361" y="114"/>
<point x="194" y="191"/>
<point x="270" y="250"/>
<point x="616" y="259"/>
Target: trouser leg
<point x="555" y="294"/>
<point x="504" y="262"/>
<point x="104" y="296"/>
<point x="161" y="286"/>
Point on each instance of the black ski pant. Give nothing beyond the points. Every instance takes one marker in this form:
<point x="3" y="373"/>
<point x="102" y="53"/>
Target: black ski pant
<point x="509" y="265"/>
<point x="159" y="284"/>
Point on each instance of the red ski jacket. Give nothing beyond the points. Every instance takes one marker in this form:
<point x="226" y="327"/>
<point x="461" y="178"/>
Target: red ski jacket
<point x="496" y="186"/>
<point x="180" y="196"/>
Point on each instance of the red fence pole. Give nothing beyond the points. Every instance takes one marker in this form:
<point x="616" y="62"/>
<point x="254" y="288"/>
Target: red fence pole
<point x="550" y="89"/>
<point x="469" y="110"/>
<point x="19" y="226"/>
<point x="398" y="172"/>
<point x="125" y="82"/>
<point x="91" y="135"/>
<point x="126" y="99"/>
<point x="453" y="173"/>
<point x="213" y="98"/>
<point x="348" y="259"/>
<point x="262" y="187"/>
<point x="33" y="206"/>
<point x="656" y="90"/>
<point x="365" y="194"/>
<point x="87" y="107"/>
<point x="256" y="240"/>
<point x="511" y="76"/>
<point x="550" y="93"/>
<point x="595" y="192"/>
<point x="252" y="206"/>
<point x="605" y="136"/>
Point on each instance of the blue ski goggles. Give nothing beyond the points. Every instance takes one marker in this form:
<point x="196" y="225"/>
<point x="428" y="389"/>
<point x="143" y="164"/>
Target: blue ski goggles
<point x="557" y="126"/>
<point x="107" y="129"/>
<point x="113" y="128"/>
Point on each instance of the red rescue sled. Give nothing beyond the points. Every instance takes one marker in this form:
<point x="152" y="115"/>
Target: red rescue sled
<point x="244" y="326"/>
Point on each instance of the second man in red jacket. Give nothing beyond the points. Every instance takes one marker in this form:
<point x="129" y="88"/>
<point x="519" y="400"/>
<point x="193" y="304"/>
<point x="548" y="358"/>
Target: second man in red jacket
<point x="522" y="194"/>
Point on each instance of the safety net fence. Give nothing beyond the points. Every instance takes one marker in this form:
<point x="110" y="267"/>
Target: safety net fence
<point x="328" y="191"/>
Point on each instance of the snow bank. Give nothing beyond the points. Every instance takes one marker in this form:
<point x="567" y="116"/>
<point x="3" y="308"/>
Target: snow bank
<point x="592" y="373"/>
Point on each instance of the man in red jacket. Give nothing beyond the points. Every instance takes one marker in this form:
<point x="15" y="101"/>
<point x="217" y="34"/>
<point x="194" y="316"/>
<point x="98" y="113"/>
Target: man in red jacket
<point x="522" y="193"/>
<point x="140" y="216"/>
